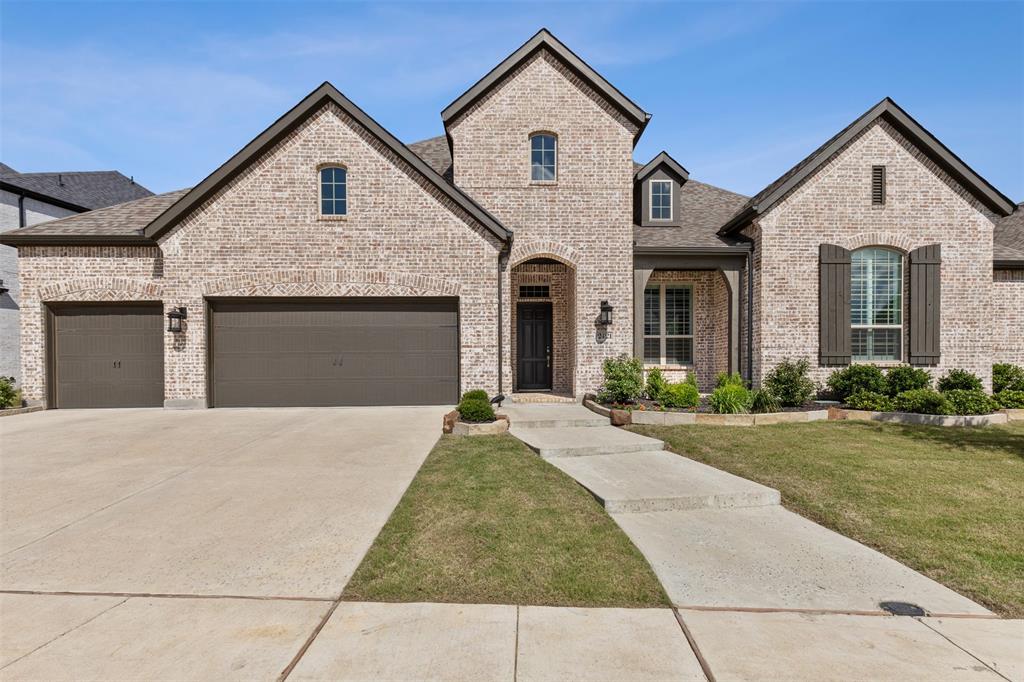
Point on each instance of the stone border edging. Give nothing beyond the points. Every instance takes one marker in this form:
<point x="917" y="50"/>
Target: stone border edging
<point x="1014" y="415"/>
<point x="838" y="413"/>
<point x="454" y="426"/>
<point x="623" y="417"/>
<point x="11" y="411"/>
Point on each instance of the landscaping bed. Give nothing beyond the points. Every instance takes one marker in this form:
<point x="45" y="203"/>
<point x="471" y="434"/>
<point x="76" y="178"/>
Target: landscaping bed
<point x="487" y="521"/>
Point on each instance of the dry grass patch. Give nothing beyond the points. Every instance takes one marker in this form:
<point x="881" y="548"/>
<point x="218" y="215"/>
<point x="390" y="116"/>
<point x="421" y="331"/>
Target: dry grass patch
<point x="488" y="521"/>
<point x="948" y="502"/>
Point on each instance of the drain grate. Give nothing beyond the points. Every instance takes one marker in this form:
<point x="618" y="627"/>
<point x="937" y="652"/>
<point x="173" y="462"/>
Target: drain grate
<point x="902" y="608"/>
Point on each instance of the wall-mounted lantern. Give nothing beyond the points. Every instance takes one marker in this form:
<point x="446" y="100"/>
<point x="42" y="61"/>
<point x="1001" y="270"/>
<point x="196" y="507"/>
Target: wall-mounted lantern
<point x="174" y="318"/>
<point x="605" y="318"/>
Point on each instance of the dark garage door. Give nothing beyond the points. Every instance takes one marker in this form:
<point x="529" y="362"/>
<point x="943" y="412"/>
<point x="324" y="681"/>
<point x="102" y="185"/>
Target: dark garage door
<point x="108" y="356"/>
<point x="360" y="351"/>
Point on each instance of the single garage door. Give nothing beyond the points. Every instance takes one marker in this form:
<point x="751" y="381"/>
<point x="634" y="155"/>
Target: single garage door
<point x="360" y="351"/>
<point x="107" y="356"/>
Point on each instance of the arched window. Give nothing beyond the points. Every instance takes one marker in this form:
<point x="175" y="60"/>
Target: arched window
<point x="543" y="157"/>
<point x="876" y="304"/>
<point x="333" y="191"/>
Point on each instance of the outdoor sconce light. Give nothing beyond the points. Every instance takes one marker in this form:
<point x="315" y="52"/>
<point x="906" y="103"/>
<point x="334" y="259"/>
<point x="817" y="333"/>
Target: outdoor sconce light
<point x="174" y="318"/>
<point x="605" y="318"/>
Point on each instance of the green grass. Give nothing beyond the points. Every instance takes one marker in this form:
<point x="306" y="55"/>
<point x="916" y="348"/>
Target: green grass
<point x="948" y="502"/>
<point x="488" y="521"/>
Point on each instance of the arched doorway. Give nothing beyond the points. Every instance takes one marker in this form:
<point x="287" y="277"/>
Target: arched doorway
<point x="543" y="317"/>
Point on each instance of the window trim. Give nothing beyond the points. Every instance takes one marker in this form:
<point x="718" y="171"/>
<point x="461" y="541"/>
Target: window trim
<point x="661" y="335"/>
<point x="320" y="191"/>
<point x="650" y="199"/>
<point x="529" y="158"/>
<point x="854" y="359"/>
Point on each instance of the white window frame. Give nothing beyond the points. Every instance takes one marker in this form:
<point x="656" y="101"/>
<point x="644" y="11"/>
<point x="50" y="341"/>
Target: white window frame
<point x="903" y="308"/>
<point x="662" y="321"/>
<point x="650" y="198"/>
<point x="320" y="190"/>
<point x="553" y="136"/>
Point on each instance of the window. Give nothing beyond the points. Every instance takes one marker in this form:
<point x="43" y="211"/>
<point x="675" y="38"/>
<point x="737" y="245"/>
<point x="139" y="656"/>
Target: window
<point x="534" y="291"/>
<point x="542" y="158"/>
<point x="668" y="324"/>
<point x="878" y="185"/>
<point x="876" y="304"/>
<point x="333" y="191"/>
<point x="661" y="200"/>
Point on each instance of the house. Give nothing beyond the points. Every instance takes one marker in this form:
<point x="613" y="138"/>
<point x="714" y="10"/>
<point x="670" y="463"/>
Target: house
<point x="327" y="263"/>
<point x="32" y="198"/>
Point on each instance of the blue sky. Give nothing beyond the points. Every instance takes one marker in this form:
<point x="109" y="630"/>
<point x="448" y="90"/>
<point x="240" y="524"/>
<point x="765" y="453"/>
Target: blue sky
<point x="739" y="92"/>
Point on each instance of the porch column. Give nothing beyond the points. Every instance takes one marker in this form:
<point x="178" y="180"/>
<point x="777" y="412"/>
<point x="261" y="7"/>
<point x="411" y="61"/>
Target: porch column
<point x="640" y="277"/>
<point x="732" y="283"/>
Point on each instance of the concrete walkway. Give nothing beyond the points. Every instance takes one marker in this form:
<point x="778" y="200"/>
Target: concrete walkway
<point x="718" y="540"/>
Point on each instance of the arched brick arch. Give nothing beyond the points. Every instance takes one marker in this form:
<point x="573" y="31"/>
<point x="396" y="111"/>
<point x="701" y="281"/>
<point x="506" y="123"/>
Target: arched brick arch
<point x="102" y="289"/>
<point x="543" y="248"/>
<point x="330" y="283"/>
<point x="884" y="239"/>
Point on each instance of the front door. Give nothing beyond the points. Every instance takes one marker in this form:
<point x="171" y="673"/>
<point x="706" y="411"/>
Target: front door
<point x="533" y="342"/>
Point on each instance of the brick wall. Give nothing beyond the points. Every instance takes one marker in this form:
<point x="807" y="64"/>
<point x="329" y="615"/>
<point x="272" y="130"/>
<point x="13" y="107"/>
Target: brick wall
<point x="1008" y="316"/>
<point x="584" y="219"/>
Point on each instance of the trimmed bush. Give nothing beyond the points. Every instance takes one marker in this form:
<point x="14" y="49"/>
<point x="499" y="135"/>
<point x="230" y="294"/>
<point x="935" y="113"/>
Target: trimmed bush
<point x="725" y="379"/>
<point x="1007" y="377"/>
<point x="959" y="380"/>
<point x="922" y="401"/>
<point x="907" y="378"/>
<point x="789" y="382"/>
<point x="656" y="383"/>
<point x="681" y="395"/>
<point x="970" y="402"/>
<point x="1010" y="400"/>
<point x="846" y="381"/>
<point x="476" y="394"/>
<point x="623" y="380"/>
<point x="730" y="399"/>
<point x="9" y="395"/>
<point x="476" y="410"/>
<point x="763" y="401"/>
<point x="691" y="378"/>
<point x="871" y="401"/>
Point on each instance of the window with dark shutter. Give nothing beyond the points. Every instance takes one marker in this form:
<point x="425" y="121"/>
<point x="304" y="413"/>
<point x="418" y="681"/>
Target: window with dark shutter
<point x="878" y="185"/>
<point x="834" y="305"/>
<point x="925" y="304"/>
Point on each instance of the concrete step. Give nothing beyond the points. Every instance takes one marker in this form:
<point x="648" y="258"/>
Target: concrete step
<point x="662" y="481"/>
<point x="551" y="416"/>
<point x="583" y="441"/>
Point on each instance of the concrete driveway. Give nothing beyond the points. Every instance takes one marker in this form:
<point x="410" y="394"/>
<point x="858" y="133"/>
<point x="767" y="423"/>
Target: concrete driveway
<point x="214" y="528"/>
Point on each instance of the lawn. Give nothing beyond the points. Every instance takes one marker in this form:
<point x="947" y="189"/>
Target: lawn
<point x="948" y="502"/>
<point x="488" y="521"/>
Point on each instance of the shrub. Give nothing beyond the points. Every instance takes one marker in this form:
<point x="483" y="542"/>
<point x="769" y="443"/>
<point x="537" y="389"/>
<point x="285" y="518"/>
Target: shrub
<point x="907" y="378"/>
<point x="9" y="395"/>
<point x="869" y="400"/>
<point x="1007" y="377"/>
<point x="656" y="384"/>
<point x="476" y="410"/>
<point x="691" y="378"/>
<point x="623" y="380"/>
<point x="922" y="401"/>
<point x="725" y="379"/>
<point x="1010" y="400"/>
<point x="970" y="402"/>
<point x="959" y="380"/>
<point x="846" y="381"/>
<point x="477" y="394"/>
<point x="679" y="395"/>
<point x="790" y="384"/>
<point x="763" y="401"/>
<point x="730" y="399"/>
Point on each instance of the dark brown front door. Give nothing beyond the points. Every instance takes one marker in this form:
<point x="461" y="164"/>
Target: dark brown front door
<point x="107" y="356"/>
<point x="533" y="344"/>
<point x="359" y="351"/>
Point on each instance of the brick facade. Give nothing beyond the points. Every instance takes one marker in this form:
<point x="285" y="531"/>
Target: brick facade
<point x="1008" y="316"/>
<point x="561" y="282"/>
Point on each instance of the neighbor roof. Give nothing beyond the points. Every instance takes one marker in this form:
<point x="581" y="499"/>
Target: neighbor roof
<point x="77" y="190"/>
<point x="1008" y="240"/>
<point x="902" y="121"/>
<point x="703" y="209"/>
<point x="540" y="41"/>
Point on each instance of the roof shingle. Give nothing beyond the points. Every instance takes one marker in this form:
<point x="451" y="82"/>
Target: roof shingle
<point x="1008" y="240"/>
<point x="86" y="189"/>
<point x="703" y="209"/>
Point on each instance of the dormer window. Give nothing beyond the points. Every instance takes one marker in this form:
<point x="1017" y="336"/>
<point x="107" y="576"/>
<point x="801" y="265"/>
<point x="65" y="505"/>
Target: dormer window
<point x="333" y="191"/>
<point x="661" y="200"/>
<point x="543" y="157"/>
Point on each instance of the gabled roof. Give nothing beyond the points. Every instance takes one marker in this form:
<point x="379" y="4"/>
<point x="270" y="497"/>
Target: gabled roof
<point x="662" y="160"/>
<point x="909" y="128"/>
<point x="543" y="40"/>
<point x="7" y="170"/>
<point x="702" y="210"/>
<point x="312" y="103"/>
<point x="75" y="190"/>
<point x="1008" y="239"/>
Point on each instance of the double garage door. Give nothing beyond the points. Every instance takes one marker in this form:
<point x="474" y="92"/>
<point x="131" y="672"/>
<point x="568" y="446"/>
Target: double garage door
<point x="267" y="353"/>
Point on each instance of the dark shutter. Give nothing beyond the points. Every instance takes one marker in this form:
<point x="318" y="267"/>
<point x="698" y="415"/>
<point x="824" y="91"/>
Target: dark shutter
<point x="834" y="305"/>
<point x="878" y="185"/>
<point x="925" y="304"/>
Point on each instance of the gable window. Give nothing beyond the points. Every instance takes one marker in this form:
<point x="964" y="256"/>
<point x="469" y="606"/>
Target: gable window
<point x="668" y="324"/>
<point x="543" y="161"/>
<point x="876" y="305"/>
<point x="333" y="191"/>
<point x="661" y="200"/>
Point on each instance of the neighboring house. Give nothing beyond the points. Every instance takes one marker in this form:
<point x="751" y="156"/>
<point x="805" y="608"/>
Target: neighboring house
<point x="32" y="198"/>
<point x="326" y="263"/>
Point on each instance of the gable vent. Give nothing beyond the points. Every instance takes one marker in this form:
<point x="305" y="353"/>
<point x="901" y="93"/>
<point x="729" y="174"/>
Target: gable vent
<point x="878" y="185"/>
